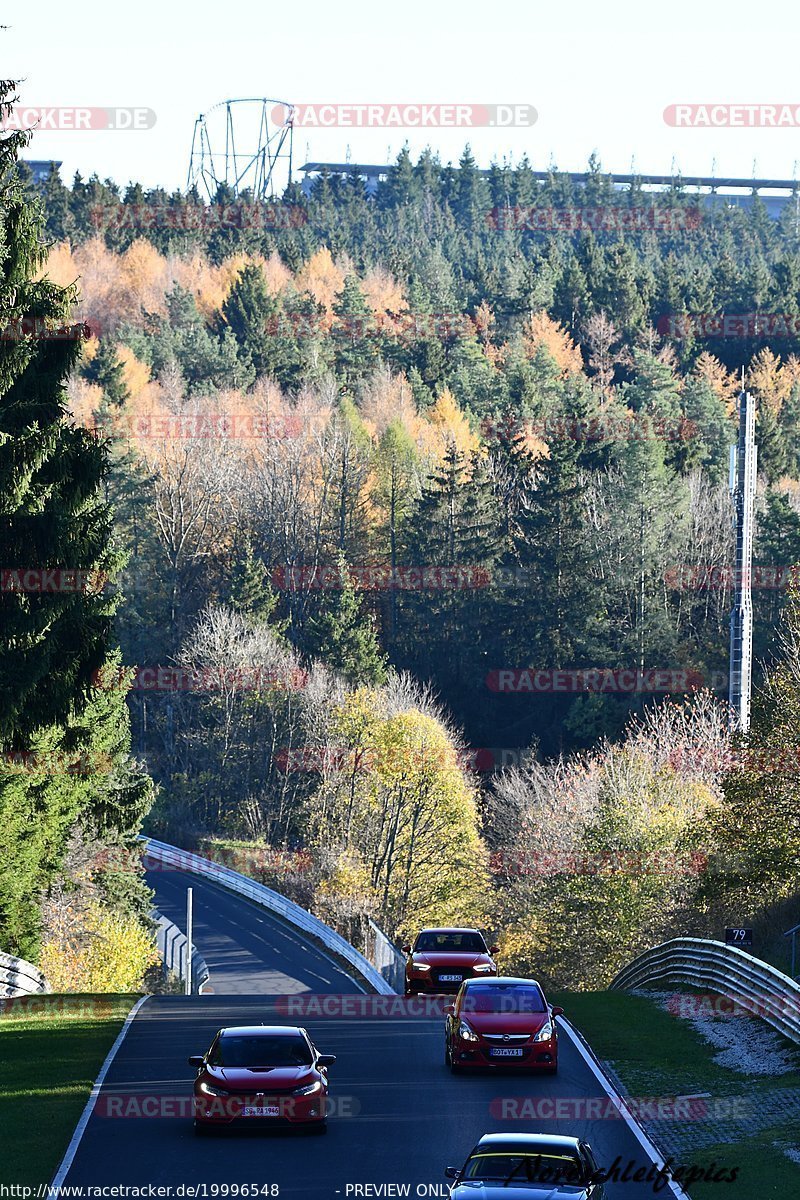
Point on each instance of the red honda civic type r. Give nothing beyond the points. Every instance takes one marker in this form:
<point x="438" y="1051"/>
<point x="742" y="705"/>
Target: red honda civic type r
<point x="441" y="959"/>
<point x="268" y="1075"/>
<point x="501" y="1023"/>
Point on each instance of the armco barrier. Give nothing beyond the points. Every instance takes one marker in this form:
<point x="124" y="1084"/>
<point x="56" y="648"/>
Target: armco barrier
<point x="19" y="978"/>
<point x="756" y="985"/>
<point x="388" y="961"/>
<point x="183" y="860"/>
<point x="171" y="942"/>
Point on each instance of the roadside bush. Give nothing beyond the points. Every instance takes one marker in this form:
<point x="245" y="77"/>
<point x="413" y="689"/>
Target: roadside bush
<point x="96" y="950"/>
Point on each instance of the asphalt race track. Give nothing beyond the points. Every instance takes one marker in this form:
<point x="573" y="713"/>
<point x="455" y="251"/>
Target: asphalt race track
<point x="399" y="1116"/>
<point x="246" y="949"/>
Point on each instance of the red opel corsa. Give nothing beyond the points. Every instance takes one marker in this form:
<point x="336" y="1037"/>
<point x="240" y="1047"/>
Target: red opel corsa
<point x="442" y="959"/>
<point x="261" y="1074"/>
<point x="501" y="1023"/>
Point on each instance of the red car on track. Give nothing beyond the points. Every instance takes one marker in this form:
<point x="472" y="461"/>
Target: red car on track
<point x="271" y="1075"/>
<point x="441" y="959"/>
<point x="501" y="1023"/>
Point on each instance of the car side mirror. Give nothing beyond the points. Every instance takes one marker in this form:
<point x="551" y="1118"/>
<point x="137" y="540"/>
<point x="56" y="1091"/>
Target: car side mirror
<point x="451" y="1172"/>
<point x="494" y="949"/>
<point x="449" y="1010"/>
<point x="557" y="1010"/>
<point x="326" y="1060"/>
<point x="196" y="1060"/>
<point x="406" y="949"/>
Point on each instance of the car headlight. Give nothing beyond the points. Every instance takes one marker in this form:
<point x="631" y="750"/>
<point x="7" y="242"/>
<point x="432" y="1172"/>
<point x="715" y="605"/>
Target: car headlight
<point x="415" y="966"/>
<point x="308" y="1089"/>
<point x="545" y="1033"/>
<point x="208" y="1089"/>
<point x="483" y="967"/>
<point x="466" y="1034"/>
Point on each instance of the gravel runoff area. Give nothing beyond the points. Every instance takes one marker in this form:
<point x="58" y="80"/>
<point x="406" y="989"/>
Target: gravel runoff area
<point x="749" y="1047"/>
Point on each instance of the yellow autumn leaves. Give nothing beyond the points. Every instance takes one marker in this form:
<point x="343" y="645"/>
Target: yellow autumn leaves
<point x="401" y="818"/>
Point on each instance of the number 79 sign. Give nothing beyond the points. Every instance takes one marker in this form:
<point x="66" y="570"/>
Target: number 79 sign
<point x="739" y="937"/>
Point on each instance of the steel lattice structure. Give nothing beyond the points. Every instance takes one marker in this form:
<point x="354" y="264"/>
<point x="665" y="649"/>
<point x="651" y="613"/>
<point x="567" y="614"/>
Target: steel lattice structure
<point x="242" y="147"/>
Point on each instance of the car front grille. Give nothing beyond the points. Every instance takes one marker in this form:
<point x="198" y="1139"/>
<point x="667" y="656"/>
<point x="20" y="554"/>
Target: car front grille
<point x="509" y="1039"/>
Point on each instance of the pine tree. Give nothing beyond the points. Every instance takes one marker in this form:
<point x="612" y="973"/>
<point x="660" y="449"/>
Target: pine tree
<point x="251" y="313"/>
<point x="354" y="334"/>
<point x="652" y="509"/>
<point x="56" y="196"/>
<point x="445" y="626"/>
<point x="394" y="493"/>
<point x="251" y="593"/>
<point x="341" y="633"/>
<point x="108" y="372"/>
<point x="565" y="605"/>
<point x="773" y="455"/>
<point x="63" y="741"/>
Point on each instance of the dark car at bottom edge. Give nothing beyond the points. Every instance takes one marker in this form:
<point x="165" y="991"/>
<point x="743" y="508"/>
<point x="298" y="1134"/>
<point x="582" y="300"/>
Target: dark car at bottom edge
<point x="527" y="1166"/>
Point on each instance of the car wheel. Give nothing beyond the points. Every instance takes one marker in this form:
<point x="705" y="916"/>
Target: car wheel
<point x="319" y="1128"/>
<point x="448" y="1060"/>
<point x="201" y="1130"/>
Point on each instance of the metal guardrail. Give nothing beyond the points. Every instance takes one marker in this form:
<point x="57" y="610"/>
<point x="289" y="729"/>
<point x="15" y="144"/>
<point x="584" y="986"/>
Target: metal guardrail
<point x="20" y="978"/>
<point x="753" y="984"/>
<point x="172" y="942"/>
<point x="170" y="857"/>
<point x="386" y="959"/>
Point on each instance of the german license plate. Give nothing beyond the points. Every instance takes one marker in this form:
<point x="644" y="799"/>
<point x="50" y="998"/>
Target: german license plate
<point x="505" y="1052"/>
<point x="450" y="978"/>
<point x="271" y="1110"/>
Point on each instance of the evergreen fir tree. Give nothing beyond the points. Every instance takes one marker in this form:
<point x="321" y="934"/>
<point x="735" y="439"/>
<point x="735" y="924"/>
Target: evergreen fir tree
<point x="251" y="592"/>
<point x="63" y="741"/>
<point x="566" y="609"/>
<point x="342" y="634"/>
<point x="354" y="334"/>
<point x="108" y="372"/>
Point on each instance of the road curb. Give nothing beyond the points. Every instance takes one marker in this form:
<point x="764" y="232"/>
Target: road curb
<point x="71" y="1150"/>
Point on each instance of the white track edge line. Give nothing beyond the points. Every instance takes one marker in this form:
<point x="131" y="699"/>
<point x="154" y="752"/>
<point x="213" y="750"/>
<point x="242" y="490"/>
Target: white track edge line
<point x="71" y="1150"/>
<point x="636" y="1129"/>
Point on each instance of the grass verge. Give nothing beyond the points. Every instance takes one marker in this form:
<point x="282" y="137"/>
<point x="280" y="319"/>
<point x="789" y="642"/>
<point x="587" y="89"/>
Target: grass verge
<point x="51" y="1051"/>
<point x="657" y="1054"/>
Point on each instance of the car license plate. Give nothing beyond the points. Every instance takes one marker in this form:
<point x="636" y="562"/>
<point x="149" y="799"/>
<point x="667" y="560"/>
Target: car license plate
<point x="272" y="1110"/>
<point x="450" y="978"/>
<point x="505" y="1052"/>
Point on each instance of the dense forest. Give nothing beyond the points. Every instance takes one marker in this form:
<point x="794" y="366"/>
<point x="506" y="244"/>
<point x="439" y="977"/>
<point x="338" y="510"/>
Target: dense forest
<point x="437" y="387"/>
<point x="415" y="485"/>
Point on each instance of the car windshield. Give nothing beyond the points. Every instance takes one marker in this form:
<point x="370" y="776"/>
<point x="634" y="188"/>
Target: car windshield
<point x="260" y="1050"/>
<point x="450" y="942"/>
<point x="545" y="1166"/>
<point x="511" y="998"/>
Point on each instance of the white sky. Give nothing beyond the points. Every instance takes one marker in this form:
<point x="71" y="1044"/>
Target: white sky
<point x="599" y="75"/>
